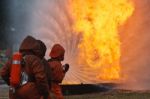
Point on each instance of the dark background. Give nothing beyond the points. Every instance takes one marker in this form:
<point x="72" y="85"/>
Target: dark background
<point x="4" y="24"/>
<point x="14" y="21"/>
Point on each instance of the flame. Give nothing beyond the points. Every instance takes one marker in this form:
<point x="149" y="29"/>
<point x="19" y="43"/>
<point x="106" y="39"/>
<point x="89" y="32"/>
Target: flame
<point x="98" y="21"/>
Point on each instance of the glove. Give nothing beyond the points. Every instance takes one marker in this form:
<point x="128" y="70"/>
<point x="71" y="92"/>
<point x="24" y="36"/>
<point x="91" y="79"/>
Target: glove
<point x="66" y="67"/>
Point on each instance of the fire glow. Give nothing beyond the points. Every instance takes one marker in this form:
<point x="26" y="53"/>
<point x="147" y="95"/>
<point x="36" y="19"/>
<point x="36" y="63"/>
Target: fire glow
<point x="98" y="21"/>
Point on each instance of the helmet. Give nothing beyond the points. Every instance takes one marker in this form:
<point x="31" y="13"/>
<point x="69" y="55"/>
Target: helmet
<point x="57" y="52"/>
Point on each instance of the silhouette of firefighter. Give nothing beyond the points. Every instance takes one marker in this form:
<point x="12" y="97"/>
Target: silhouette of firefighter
<point x="58" y="70"/>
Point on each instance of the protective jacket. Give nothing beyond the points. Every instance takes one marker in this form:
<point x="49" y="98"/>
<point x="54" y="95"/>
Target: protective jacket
<point x="57" y="55"/>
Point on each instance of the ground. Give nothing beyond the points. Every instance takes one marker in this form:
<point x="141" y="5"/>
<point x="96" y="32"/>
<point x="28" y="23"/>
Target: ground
<point x="112" y="94"/>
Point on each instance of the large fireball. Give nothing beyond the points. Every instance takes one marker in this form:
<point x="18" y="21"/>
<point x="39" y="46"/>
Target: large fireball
<point x="98" y="22"/>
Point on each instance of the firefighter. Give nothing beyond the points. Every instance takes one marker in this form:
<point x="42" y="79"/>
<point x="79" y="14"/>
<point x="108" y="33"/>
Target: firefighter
<point x="58" y="70"/>
<point x="47" y="69"/>
<point x="33" y="84"/>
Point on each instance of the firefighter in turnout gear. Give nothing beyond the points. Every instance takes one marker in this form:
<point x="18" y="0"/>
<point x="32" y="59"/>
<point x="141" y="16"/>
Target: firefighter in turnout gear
<point x="33" y="84"/>
<point x="58" y="70"/>
<point x="47" y="69"/>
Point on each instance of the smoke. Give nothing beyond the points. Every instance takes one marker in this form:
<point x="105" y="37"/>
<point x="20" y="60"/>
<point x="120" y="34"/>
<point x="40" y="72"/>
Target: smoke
<point x="135" y="38"/>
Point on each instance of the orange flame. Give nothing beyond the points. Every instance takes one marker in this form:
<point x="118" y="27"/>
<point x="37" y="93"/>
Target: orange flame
<point x="98" y="22"/>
